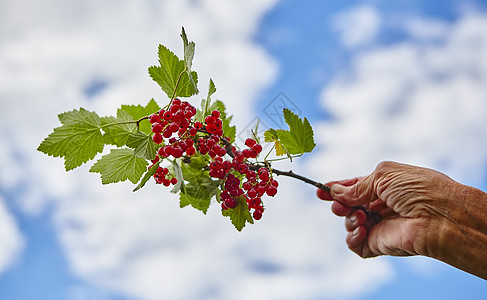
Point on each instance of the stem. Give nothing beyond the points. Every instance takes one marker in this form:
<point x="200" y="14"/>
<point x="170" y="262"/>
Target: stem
<point x="177" y="84"/>
<point x="302" y="178"/>
<point x="289" y="173"/>
<point x="126" y="122"/>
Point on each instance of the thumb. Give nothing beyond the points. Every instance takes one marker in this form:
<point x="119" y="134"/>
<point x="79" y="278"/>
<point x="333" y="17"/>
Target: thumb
<point x="360" y="193"/>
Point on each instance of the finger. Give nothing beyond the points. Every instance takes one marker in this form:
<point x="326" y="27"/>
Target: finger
<point x="355" y="239"/>
<point x="355" y="219"/>
<point x="360" y="193"/>
<point x="325" y="195"/>
<point x="341" y="209"/>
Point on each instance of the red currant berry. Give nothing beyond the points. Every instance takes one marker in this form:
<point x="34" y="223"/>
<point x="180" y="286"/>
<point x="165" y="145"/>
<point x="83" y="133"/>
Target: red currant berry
<point x="167" y="116"/>
<point x="209" y="120"/>
<point x="157" y="138"/>
<point x="162" y="152"/>
<point x="154" y="118"/>
<point x="271" y="190"/>
<point x="252" y="193"/>
<point x="174" y="127"/>
<point x="192" y="131"/>
<point x="257" y="148"/>
<point x="246" y="153"/>
<point x="190" y="151"/>
<point x="165" y="171"/>
<point x="157" y="128"/>
<point x="167" y="133"/>
<point x="257" y="215"/>
<point x="198" y="125"/>
<point x="174" y="180"/>
<point x="250" y="142"/>
<point x="231" y="203"/>
<point x="215" y="114"/>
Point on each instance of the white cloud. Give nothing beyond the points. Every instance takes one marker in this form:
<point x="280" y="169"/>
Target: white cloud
<point x="357" y="26"/>
<point x="417" y="102"/>
<point x="11" y="241"/>
<point x="428" y="29"/>
<point x="142" y="244"/>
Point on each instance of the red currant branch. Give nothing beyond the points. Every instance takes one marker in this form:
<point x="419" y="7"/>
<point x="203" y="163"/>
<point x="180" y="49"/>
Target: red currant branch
<point x="278" y="172"/>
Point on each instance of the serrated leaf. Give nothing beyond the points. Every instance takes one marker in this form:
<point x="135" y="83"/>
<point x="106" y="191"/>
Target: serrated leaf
<point x="199" y="189"/>
<point x="78" y="140"/>
<point x="167" y="75"/>
<point x="211" y="88"/>
<point x="299" y="138"/>
<point x="188" y="58"/>
<point x="148" y="175"/>
<point x="139" y="111"/>
<point x="270" y="136"/>
<point x="119" y="165"/>
<point x="143" y="145"/>
<point x="117" y="134"/>
<point x="228" y="130"/>
<point x="239" y="215"/>
<point x="178" y="173"/>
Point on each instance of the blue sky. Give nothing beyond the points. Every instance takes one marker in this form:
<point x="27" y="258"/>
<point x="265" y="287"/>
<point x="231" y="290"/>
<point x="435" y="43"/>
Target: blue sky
<point x="68" y="237"/>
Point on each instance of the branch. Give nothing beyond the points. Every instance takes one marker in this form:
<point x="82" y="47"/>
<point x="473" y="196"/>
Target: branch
<point x="302" y="178"/>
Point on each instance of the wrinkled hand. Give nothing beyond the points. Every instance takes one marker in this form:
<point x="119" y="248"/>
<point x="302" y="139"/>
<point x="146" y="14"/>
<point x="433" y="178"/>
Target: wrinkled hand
<point x="411" y="201"/>
<point x="421" y="212"/>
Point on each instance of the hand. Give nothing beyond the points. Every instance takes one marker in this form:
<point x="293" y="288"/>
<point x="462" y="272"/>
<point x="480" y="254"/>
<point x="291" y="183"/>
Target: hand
<point x="423" y="212"/>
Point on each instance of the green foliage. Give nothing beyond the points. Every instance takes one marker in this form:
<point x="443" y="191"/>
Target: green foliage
<point x="78" y="140"/>
<point x="118" y="134"/>
<point x="143" y="145"/>
<point x="119" y="165"/>
<point x="171" y="75"/>
<point x="239" y="215"/>
<point x="148" y="175"/>
<point x="297" y="140"/>
<point x="138" y="111"/>
<point x="200" y="188"/>
<point x="83" y="134"/>
<point x="188" y="58"/>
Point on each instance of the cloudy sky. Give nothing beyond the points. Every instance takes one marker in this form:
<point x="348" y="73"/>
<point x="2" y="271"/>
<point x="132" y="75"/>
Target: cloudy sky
<point x="379" y="80"/>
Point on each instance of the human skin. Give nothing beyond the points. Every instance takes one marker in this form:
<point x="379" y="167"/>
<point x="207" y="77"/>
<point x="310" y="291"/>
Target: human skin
<point x="422" y="212"/>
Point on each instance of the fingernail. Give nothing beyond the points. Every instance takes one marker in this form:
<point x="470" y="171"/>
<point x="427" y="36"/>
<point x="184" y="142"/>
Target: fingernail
<point x="355" y="231"/>
<point x="353" y="219"/>
<point x="337" y="189"/>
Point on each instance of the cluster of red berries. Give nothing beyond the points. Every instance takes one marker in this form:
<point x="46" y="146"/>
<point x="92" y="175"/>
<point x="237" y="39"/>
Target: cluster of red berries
<point x="175" y="120"/>
<point x="175" y="128"/>
<point x="257" y="182"/>
<point x="161" y="173"/>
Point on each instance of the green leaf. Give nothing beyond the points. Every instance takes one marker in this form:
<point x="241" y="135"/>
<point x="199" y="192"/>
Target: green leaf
<point x="178" y="173"/>
<point x="270" y="136"/>
<point x="239" y="215"/>
<point x="138" y="111"/>
<point x="143" y="145"/>
<point x="211" y="88"/>
<point x="228" y="130"/>
<point x="188" y="58"/>
<point x="78" y="140"/>
<point x="168" y="73"/>
<point x="117" y="134"/>
<point x="199" y="189"/>
<point x="299" y="138"/>
<point x="148" y="175"/>
<point x="119" y="165"/>
<point x="205" y="103"/>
